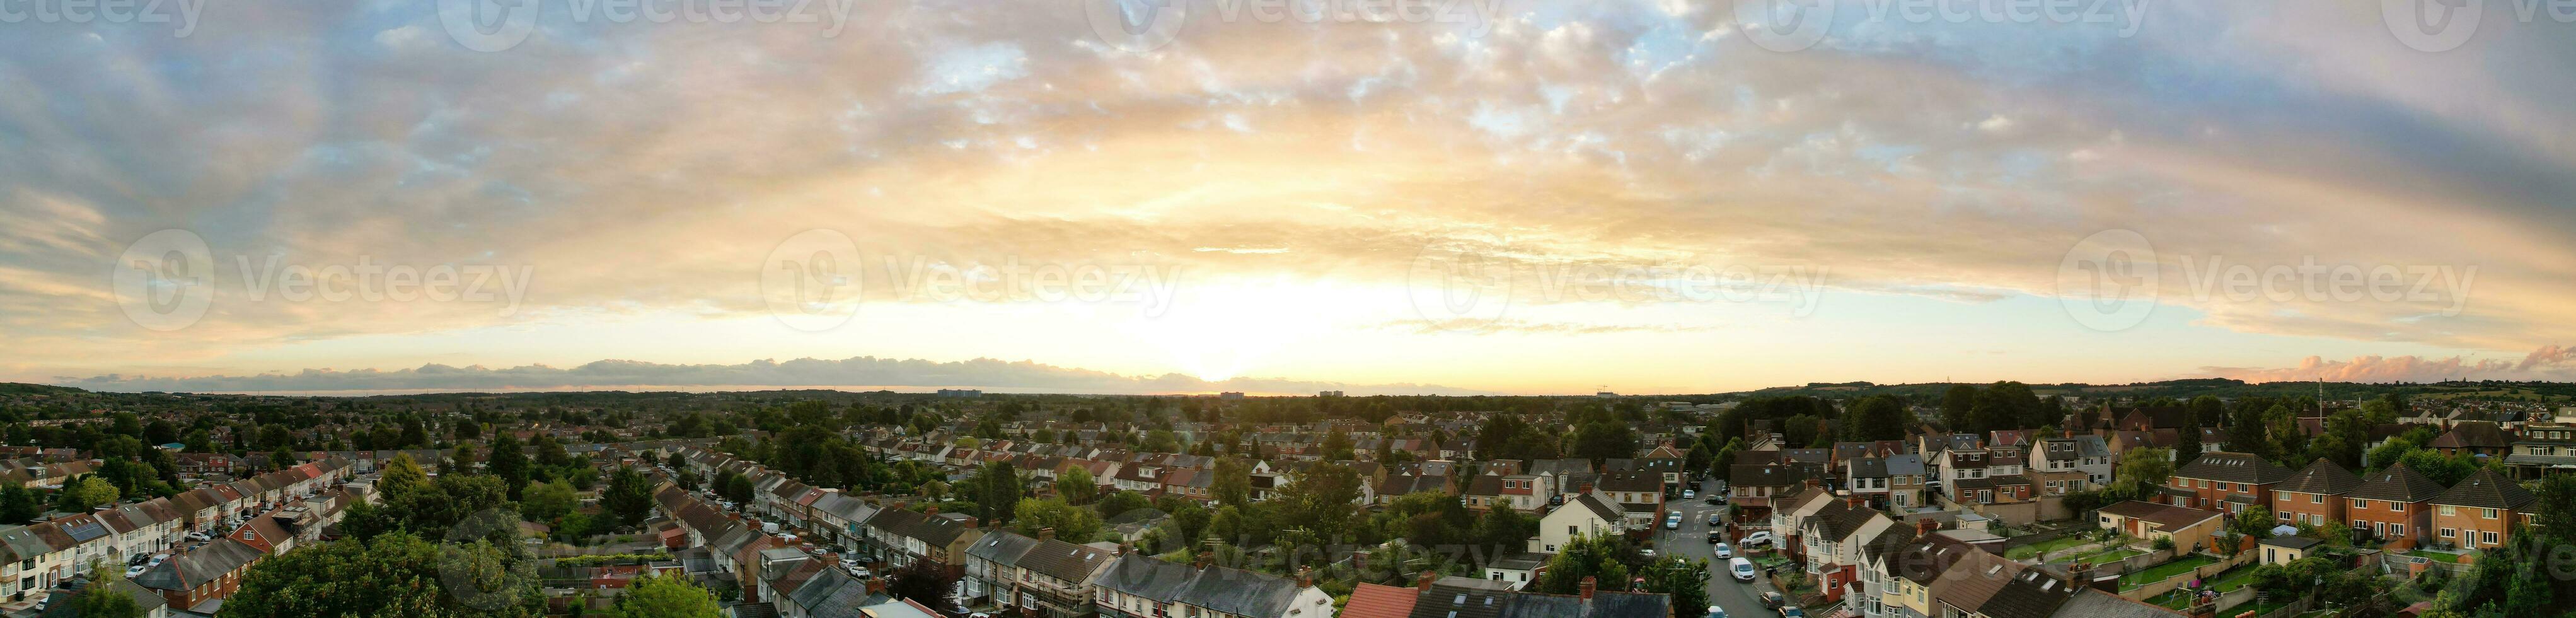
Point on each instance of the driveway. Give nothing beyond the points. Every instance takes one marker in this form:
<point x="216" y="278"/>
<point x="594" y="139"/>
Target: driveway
<point x="1691" y="541"/>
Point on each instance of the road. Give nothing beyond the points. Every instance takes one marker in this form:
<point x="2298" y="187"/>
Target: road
<point x="1691" y="541"/>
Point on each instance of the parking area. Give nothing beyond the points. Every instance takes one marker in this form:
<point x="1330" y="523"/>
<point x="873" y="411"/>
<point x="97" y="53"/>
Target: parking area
<point x="1739" y="599"/>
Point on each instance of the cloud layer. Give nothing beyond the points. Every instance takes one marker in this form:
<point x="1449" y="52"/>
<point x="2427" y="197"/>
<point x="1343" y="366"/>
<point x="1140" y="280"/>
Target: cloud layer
<point x="900" y="374"/>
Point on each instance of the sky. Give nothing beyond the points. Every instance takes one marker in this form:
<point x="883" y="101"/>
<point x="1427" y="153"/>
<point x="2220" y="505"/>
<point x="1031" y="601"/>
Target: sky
<point x="1470" y="196"/>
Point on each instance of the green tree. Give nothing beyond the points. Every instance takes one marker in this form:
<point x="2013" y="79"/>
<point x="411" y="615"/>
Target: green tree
<point x="509" y="462"/>
<point x="1120" y="503"/>
<point x="1956" y="405"/>
<point x="19" y="505"/>
<point x="1077" y="486"/>
<point x="1605" y="439"/>
<point x="1324" y="498"/>
<point x="108" y="597"/>
<point x="395" y="574"/>
<point x="1881" y="417"/>
<point x="401" y="477"/>
<point x="2141" y="470"/>
<point x="1073" y="524"/>
<point x="1605" y="558"/>
<point x="547" y="501"/>
<point x="1233" y="484"/>
<point x="86" y="493"/>
<point x="665" y="597"/>
<point x="1684" y="578"/>
<point x="629" y="497"/>
<point x="997" y="491"/>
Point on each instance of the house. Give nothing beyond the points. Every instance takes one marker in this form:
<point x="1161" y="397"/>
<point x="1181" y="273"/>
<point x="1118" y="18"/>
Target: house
<point x="909" y="536"/>
<point x="2482" y="439"/>
<point x="1905" y="477"/>
<point x="2225" y="480"/>
<point x="2393" y="504"/>
<point x="1135" y="586"/>
<point x="2543" y="448"/>
<point x="1833" y="538"/>
<point x="1587" y="515"/>
<point x="212" y="572"/>
<point x="1464" y="597"/>
<point x="1376" y="601"/>
<point x="2286" y="549"/>
<point x="1640" y="494"/>
<point x="2479" y="512"/>
<point x="2190" y="528"/>
<point x="1043" y="576"/>
<point x="2314" y="495"/>
<point x="2070" y="465"/>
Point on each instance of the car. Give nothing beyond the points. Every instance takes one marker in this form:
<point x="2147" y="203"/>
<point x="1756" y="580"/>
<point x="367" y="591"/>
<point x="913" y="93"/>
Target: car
<point x="1689" y="493"/>
<point x="1716" y="499"/>
<point x="1716" y="612"/>
<point x="1716" y="536"/>
<point x="1771" y="600"/>
<point x="1758" y="537"/>
<point x="199" y="536"/>
<point x="1646" y="551"/>
<point x="1722" y="551"/>
<point x="1716" y="518"/>
<point x="132" y="571"/>
<point x="1673" y="521"/>
<point x="1792" y="611"/>
<point x="1742" y="569"/>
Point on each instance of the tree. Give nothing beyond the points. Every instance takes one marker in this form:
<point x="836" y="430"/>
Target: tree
<point x="2201" y="410"/>
<point x="19" y="505"/>
<point x="665" y="597"/>
<point x="1956" y="404"/>
<point x="2556" y="495"/>
<point x="1073" y="524"/>
<point x="629" y="497"/>
<point x="547" y="501"/>
<point x="1120" y="503"/>
<point x="923" y="581"/>
<point x="2141" y="469"/>
<point x="82" y="495"/>
<point x="1323" y="498"/>
<point x="1875" y="418"/>
<point x="1605" y="558"/>
<point x="1077" y="486"/>
<point x="2447" y="470"/>
<point x="996" y="491"/>
<point x="1233" y="484"/>
<point x="1605" y="439"/>
<point x="509" y="462"/>
<point x="395" y="574"/>
<point x="107" y="598"/>
<point x="1685" y="579"/>
<point x="401" y="477"/>
<point x="2389" y="453"/>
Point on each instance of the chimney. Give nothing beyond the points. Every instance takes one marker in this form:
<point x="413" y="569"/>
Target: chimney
<point x="1925" y="526"/>
<point x="1121" y="551"/>
<point x="1046" y="534"/>
<point x="1359" y="560"/>
<point x="933" y="509"/>
<point x="1305" y="577"/>
<point x="876" y="585"/>
<point x="1854" y="500"/>
<point x="1206" y="558"/>
<point x="1589" y="584"/>
<point x="1424" y="581"/>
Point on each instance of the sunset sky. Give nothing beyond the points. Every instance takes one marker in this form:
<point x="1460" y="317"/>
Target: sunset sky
<point x="1412" y="204"/>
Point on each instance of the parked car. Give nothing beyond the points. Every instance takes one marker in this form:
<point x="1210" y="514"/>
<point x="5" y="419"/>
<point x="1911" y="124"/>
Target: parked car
<point x="1716" y="499"/>
<point x="1673" y="521"/>
<point x="1716" y="536"/>
<point x="1716" y="519"/>
<point x="1792" y="611"/>
<point x="1688" y="493"/>
<point x="199" y="536"/>
<point x="1771" y="600"/>
<point x="1716" y="612"/>
<point x="132" y="571"/>
<point x="1758" y="537"/>
<point x="1721" y="550"/>
<point x="1743" y="570"/>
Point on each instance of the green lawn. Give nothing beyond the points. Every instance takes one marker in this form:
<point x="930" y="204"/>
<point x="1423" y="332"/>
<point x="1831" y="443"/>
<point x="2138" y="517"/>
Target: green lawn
<point x="2114" y="555"/>
<point x="2157" y="573"/>
<point x="2435" y="555"/>
<point x="2035" y="550"/>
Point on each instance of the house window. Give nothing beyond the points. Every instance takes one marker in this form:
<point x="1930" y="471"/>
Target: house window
<point x="2316" y="498"/>
<point x="2487" y="537"/>
<point x="2490" y="514"/>
<point x="2397" y="529"/>
<point x="2448" y="510"/>
<point x="2446" y="533"/>
<point x="2398" y="507"/>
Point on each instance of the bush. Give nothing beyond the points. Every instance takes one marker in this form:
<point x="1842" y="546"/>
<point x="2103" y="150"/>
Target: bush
<point x="2164" y="543"/>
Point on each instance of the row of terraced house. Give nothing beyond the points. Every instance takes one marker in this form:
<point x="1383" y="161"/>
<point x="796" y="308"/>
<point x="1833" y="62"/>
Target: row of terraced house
<point x="248" y="512"/>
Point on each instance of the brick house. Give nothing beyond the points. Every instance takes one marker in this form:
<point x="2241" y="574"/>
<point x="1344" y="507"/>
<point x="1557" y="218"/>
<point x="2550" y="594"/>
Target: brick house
<point x="2225" y="480"/>
<point x="2393" y="504"/>
<point x="2480" y="511"/>
<point x="2313" y="495"/>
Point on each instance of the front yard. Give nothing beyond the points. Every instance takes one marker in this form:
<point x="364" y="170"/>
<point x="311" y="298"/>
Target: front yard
<point x="2157" y="573"/>
<point x="2041" y="548"/>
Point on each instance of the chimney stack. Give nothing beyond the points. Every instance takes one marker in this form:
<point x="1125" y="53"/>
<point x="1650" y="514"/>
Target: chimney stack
<point x="1206" y="558"/>
<point x="933" y="509"/>
<point x="1423" y="582"/>
<point x="1046" y="534"/>
<point x="1305" y="577"/>
<point x="1589" y="584"/>
<point x="1122" y="550"/>
<point x="1925" y="526"/>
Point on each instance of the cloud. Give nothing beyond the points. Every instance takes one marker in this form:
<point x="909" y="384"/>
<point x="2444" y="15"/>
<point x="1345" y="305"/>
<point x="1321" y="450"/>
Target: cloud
<point x="2547" y="363"/>
<point x="854" y="372"/>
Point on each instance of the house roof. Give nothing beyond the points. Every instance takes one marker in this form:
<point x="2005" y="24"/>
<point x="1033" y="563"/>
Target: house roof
<point x="2032" y="594"/>
<point x="2166" y="516"/>
<point x="2486" y="489"/>
<point x="2097" y="604"/>
<point x="2474" y="434"/>
<point x="2233" y="467"/>
<point x="2397" y="483"/>
<point x="2320" y="477"/>
<point x="188" y="570"/>
<point x="1376" y="601"/>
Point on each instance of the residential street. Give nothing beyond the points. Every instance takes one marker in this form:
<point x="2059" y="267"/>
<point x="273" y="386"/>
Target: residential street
<point x="1691" y="541"/>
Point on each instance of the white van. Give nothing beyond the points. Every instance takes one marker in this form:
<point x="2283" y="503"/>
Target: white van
<point x="1742" y="568"/>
